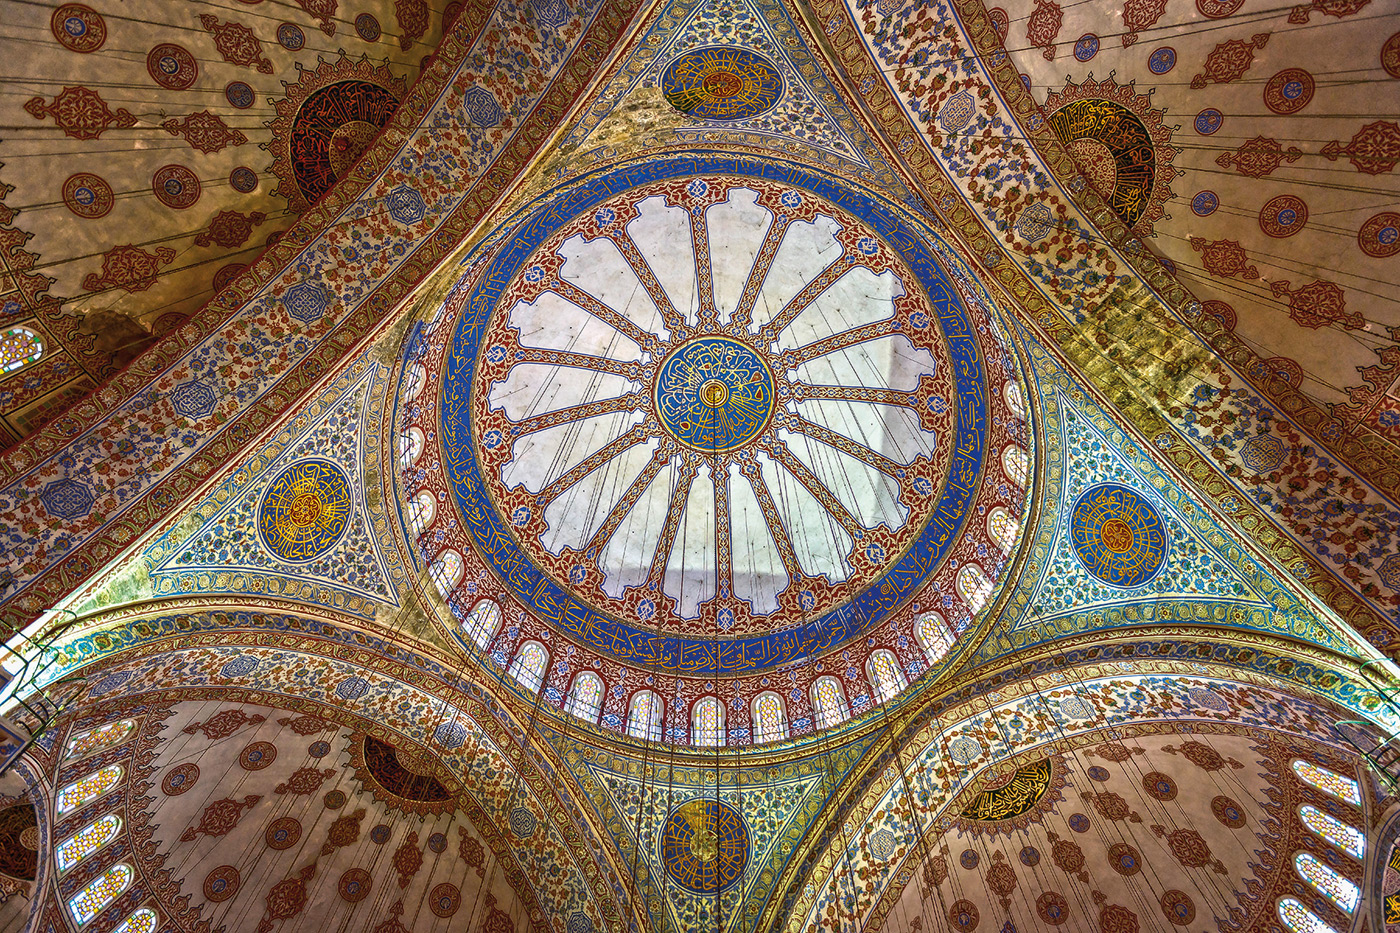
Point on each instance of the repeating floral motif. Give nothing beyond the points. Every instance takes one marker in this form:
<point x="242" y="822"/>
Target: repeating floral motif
<point x="80" y="112"/>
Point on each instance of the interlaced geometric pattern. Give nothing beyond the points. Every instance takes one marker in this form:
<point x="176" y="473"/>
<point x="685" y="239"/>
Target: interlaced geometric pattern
<point x="1339" y="889"/>
<point x="770" y="724"/>
<point x="1299" y="919"/>
<point x="89" y="788"/>
<point x="101" y="737"/>
<point x="1329" y="782"/>
<point x="143" y="921"/>
<point x="1347" y="838"/>
<point x="708" y="721"/>
<point x="90" y="900"/>
<point x="19" y="346"/>
<point x="73" y="850"/>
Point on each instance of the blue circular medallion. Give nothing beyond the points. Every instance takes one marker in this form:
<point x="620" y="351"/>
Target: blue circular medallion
<point x="1087" y="47"/>
<point x="1118" y="535"/>
<point x="705" y="846"/>
<point x="239" y="95"/>
<point x="305" y="510"/>
<point x="1204" y="203"/>
<point x="1208" y="121"/>
<point x="1162" y="60"/>
<point x="722" y="84"/>
<point x="290" y="37"/>
<point x="714" y="394"/>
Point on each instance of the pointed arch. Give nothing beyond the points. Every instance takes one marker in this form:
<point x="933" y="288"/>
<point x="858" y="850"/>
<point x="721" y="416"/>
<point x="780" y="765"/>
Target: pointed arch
<point x="1342" y="835"/>
<point x="933" y="636"/>
<point x="707" y="721"/>
<point x="1014" y="400"/>
<point x="529" y="664"/>
<point x="104" y="889"/>
<point x="886" y="679"/>
<point x="482" y="622"/>
<point x="446" y="571"/>
<point x="1329" y="882"/>
<point x="829" y="702"/>
<point x="86" y="841"/>
<point x="1299" y="919"/>
<point x="143" y="921"/>
<point x="644" y="716"/>
<point x="414" y="378"/>
<point x="769" y="718"/>
<point x="422" y="509"/>
<point x="585" y="698"/>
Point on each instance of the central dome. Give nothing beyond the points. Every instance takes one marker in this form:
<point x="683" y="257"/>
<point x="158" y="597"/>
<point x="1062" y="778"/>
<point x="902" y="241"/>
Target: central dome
<point x="709" y="418"/>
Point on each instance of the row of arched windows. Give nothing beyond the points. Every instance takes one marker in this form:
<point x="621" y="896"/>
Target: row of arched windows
<point x="1344" y="837"/>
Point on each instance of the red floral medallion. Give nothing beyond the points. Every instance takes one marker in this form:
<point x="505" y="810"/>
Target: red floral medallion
<point x="1043" y="26"/>
<point x="283" y="833"/>
<point x="221" y="883"/>
<point x="304" y="781"/>
<point x="472" y="852"/>
<point x="412" y="16"/>
<point x="175" y="186"/>
<point x="1178" y="907"/>
<point x="1224" y="258"/>
<point x="78" y="28"/>
<point x="257" y="756"/>
<point x="963" y="916"/>
<point x="205" y="132"/>
<point x="287" y="898"/>
<point x="1374" y="150"/>
<point x="408" y="859"/>
<point x="1390" y="56"/>
<point x="172" y="67"/>
<point x="1289" y="91"/>
<point x="230" y="228"/>
<point x="1318" y="304"/>
<point x="80" y="112"/>
<point x="1191" y="849"/>
<point x="220" y="817"/>
<point x="87" y="195"/>
<point x="1283" y="216"/>
<point x="1227" y="811"/>
<point x="179" y="779"/>
<point x="1114" y="918"/>
<point x="129" y="268"/>
<point x="344" y="831"/>
<point x="355" y="885"/>
<point x="1052" y="908"/>
<point x="1218" y="9"/>
<point x="1258" y="157"/>
<point x="1338" y="8"/>
<point x="1229" y="60"/>
<point x="236" y="43"/>
<point x="224" y="723"/>
<point x="1140" y="14"/>
<point x="322" y="11"/>
<point x="444" y="899"/>
<point x="1380" y="236"/>
<point x="1159" y="786"/>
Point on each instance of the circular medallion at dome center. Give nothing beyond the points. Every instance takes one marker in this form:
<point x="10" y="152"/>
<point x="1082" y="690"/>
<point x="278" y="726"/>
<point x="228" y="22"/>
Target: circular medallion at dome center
<point x="714" y="394"/>
<point x="705" y="846"/>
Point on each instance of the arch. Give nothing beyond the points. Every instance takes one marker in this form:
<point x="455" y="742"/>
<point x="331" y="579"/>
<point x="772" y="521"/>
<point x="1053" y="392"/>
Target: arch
<point x="89" y="788"/>
<point x="829" y="702"/>
<point x="529" y="664"/>
<point x="481" y="623"/>
<point x="1002" y="528"/>
<point x="422" y="509"/>
<point x="644" y="716"/>
<point x="1299" y="919"/>
<point x="769" y="718"/>
<point x="1333" y="885"/>
<point x="1329" y="782"/>
<point x="1014" y="400"/>
<point x="585" y="698"/>
<point x="19" y="347"/>
<point x="102" y="737"/>
<point x="974" y="587"/>
<point x="446" y="571"/>
<point x="1017" y="464"/>
<point x="410" y="446"/>
<point x="933" y="636"/>
<point x="104" y="889"/>
<point x="143" y="921"/>
<point x="707" y="721"/>
<point x="886" y="679"/>
<point x="414" y="378"/>
<point x="86" y="841"/>
<point x="1345" y="837"/>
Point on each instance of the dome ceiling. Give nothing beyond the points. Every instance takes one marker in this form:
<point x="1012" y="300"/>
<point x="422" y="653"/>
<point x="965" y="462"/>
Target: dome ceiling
<point x="717" y="425"/>
<point x="154" y="151"/>
<point x="1255" y="151"/>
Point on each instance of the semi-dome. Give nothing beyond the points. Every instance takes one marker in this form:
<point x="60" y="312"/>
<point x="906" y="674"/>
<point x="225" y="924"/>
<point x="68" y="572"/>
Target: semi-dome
<point x="705" y="428"/>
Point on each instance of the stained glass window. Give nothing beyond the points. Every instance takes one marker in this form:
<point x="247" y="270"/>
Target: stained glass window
<point x="481" y="623"/>
<point x="410" y="447"/>
<point x="19" y="346"/>
<point x="885" y="676"/>
<point x="1320" y="876"/>
<point x="974" y="587"/>
<point x="89" y="788"/>
<point x="101" y="737"/>
<point x="1298" y="918"/>
<point x="769" y="720"/>
<point x="644" y="716"/>
<point x="446" y="571"/>
<point x="586" y="696"/>
<point x="932" y="633"/>
<point x="422" y="508"/>
<point x="829" y="700"/>
<point x="1347" y="838"/>
<point x="86" y="841"/>
<point x="1017" y="464"/>
<point x="1014" y="399"/>
<point x="413" y="381"/>
<point x="529" y="664"/>
<point x="707" y="721"/>
<point x="104" y="889"/>
<point x="143" y="921"/>
<point x="1002" y="527"/>
<point x="1330" y="782"/>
